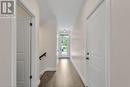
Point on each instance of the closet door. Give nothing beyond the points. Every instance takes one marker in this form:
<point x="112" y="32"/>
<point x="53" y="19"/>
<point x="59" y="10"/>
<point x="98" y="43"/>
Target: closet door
<point x="23" y="52"/>
<point x="96" y="47"/>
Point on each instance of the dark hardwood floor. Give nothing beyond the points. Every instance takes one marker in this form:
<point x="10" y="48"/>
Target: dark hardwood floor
<point x="65" y="76"/>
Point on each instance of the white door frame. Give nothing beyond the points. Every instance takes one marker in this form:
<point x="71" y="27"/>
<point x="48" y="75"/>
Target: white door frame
<point x="33" y="41"/>
<point x="107" y="40"/>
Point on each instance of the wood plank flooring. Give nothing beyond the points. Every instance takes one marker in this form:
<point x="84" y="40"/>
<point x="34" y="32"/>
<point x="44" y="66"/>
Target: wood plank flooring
<point x="65" y="76"/>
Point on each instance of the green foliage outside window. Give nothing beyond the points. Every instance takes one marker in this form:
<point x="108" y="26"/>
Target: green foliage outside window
<point x="64" y="43"/>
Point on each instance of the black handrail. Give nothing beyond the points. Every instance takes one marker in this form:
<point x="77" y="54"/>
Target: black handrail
<point x="44" y="54"/>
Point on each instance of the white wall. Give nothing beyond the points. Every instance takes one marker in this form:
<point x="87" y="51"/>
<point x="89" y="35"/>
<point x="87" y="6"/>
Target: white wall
<point x="47" y="38"/>
<point x="5" y="52"/>
<point x="120" y="43"/>
<point x="78" y="42"/>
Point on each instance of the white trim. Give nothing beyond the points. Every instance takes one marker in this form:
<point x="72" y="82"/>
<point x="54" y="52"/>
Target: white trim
<point x="38" y="83"/>
<point x="108" y="27"/>
<point x="13" y="52"/>
<point x="13" y="49"/>
<point x="81" y="76"/>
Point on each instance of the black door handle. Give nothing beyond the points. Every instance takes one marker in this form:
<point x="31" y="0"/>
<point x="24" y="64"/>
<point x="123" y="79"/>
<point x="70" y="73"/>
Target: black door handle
<point x="87" y="58"/>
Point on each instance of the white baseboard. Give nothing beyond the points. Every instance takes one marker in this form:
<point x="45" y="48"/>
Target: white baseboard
<point x="38" y="83"/>
<point x="81" y="76"/>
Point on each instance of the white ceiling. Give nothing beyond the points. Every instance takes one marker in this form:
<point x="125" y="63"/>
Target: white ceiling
<point x="66" y="11"/>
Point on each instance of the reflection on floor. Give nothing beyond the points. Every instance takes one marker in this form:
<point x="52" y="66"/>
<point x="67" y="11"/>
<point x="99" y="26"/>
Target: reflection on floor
<point x="65" y="76"/>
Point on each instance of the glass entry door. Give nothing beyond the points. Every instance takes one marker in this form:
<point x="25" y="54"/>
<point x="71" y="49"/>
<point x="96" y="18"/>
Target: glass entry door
<point x="64" y="45"/>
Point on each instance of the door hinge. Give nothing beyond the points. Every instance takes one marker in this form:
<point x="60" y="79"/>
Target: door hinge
<point x="30" y="24"/>
<point x="30" y="76"/>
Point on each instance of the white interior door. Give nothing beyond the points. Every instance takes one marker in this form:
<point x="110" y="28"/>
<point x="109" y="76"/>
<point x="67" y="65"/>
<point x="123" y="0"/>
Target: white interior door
<point x="96" y="47"/>
<point x="23" y="52"/>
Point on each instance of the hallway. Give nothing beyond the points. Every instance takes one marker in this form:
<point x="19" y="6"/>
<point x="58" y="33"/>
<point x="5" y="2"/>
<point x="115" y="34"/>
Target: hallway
<point x="64" y="43"/>
<point x="65" y="76"/>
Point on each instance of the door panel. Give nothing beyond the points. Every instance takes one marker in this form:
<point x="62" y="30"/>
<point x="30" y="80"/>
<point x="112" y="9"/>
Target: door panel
<point x="96" y="48"/>
<point x="23" y="52"/>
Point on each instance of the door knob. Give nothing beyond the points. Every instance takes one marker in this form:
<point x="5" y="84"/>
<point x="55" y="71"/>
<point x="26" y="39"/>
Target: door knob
<point x="87" y="58"/>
